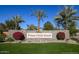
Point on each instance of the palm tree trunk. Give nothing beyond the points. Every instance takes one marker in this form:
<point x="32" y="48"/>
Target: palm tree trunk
<point x="66" y="27"/>
<point x="38" y="24"/>
<point x="65" y="23"/>
<point x="15" y="25"/>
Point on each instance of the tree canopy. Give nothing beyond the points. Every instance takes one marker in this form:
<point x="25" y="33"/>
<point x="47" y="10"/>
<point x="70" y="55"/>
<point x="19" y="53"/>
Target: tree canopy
<point x="48" y="26"/>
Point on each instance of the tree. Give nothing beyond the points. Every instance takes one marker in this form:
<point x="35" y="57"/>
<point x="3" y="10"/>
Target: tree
<point x="72" y="29"/>
<point x="17" y="20"/>
<point x="31" y="27"/>
<point x="10" y="24"/>
<point x="2" y="26"/>
<point x="48" y="26"/>
<point x="39" y="14"/>
<point x="66" y="16"/>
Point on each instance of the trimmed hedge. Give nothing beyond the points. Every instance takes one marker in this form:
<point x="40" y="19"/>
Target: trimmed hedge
<point x="60" y="35"/>
<point x="18" y="36"/>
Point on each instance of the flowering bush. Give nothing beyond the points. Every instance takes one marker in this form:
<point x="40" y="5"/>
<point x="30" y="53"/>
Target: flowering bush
<point x="60" y="36"/>
<point x="18" y="36"/>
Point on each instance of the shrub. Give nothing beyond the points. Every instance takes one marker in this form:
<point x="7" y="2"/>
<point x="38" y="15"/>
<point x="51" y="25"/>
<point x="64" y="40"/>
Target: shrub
<point x="1" y="31"/>
<point x="60" y="36"/>
<point x="18" y="36"/>
<point x="1" y="38"/>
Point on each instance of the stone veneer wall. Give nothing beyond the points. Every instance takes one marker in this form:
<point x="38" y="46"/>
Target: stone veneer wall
<point x="54" y="33"/>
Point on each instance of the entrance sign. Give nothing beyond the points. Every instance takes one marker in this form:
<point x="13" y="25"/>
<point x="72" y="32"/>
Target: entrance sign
<point x="39" y="35"/>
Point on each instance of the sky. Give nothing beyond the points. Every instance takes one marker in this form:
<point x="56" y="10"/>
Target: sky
<point x="25" y="11"/>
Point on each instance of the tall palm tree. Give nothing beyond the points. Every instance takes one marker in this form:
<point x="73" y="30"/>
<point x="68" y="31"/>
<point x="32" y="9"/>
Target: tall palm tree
<point x="39" y="14"/>
<point x="17" y="20"/>
<point x="66" y="16"/>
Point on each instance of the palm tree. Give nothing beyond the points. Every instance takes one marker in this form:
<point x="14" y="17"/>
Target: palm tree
<point x="17" y="20"/>
<point x="66" y="16"/>
<point x="10" y="24"/>
<point x="13" y="23"/>
<point x="2" y="26"/>
<point x="39" y="14"/>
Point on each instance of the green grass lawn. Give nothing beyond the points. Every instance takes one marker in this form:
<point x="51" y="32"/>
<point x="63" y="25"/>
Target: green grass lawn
<point x="41" y="48"/>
